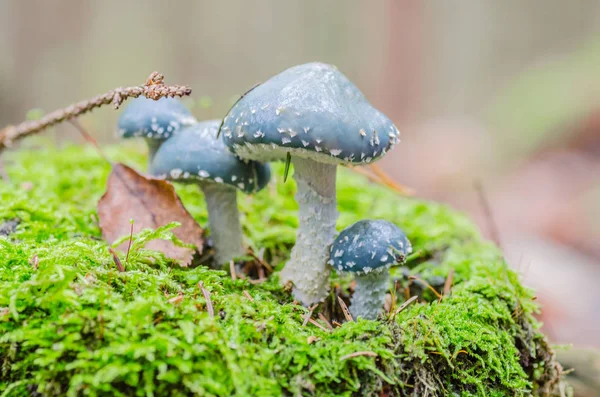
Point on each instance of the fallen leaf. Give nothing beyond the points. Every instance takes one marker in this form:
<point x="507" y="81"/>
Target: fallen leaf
<point x="151" y="203"/>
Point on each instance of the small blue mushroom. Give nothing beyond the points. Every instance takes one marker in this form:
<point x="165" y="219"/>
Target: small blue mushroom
<point x="313" y="113"/>
<point x="368" y="249"/>
<point x="155" y="121"/>
<point x="195" y="155"/>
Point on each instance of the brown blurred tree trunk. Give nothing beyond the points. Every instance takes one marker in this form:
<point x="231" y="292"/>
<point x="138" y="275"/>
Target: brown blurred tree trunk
<point x="400" y="84"/>
<point x="34" y="33"/>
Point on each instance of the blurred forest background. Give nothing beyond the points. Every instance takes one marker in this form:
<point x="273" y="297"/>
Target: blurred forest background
<point x="502" y="93"/>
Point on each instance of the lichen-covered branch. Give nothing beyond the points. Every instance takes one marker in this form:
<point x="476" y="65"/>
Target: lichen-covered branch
<point x="153" y="88"/>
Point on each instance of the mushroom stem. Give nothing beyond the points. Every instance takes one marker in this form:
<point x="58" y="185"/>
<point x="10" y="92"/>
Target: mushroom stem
<point x="153" y="145"/>
<point x="307" y="267"/>
<point x="224" y="220"/>
<point x="369" y="294"/>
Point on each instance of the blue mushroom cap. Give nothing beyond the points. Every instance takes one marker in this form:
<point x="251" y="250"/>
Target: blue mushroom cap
<point x="312" y="111"/>
<point x="369" y="245"/>
<point x="147" y="118"/>
<point x="195" y="154"/>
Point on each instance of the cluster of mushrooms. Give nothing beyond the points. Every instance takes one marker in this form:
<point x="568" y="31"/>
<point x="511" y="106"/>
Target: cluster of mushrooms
<point x="312" y="114"/>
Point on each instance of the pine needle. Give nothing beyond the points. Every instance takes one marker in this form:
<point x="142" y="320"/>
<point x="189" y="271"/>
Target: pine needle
<point x="232" y="270"/>
<point x="448" y="283"/>
<point x="316" y="324"/>
<point x="209" y="305"/>
<point x="327" y="323"/>
<point x="247" y="295"/>
<point x="307" y="316"/>
<point x="403" y="306"/>
<point x="117" y="261"/>
<point x="345" y="310"/>
<point x="358" y="354"/>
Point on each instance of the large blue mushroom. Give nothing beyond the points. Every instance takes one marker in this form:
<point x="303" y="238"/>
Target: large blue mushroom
<point x="155" y="121"/>
<point x="313" y="113"/>
<point x="195" y="155"/>
<point x="368" y="249"/>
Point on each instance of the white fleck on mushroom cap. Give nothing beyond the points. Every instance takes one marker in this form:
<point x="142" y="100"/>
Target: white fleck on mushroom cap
<point x="159" y="120"/>
<point x="369" y="245"/>
<point x="196" y="155"/>
<point x="311" y="111"/>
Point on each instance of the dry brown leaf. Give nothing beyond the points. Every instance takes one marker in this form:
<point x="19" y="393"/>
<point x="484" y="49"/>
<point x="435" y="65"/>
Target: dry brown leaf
<point x="151" y="203"/>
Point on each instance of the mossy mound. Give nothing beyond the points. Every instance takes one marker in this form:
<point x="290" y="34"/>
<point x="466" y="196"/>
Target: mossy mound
<point x="76" y="326"/>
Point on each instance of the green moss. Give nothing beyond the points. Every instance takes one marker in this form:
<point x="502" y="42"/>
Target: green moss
<point x="76" y="326"/>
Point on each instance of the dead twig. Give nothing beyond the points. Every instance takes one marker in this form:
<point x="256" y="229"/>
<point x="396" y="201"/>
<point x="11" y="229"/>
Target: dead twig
<point x="153" y="88"/>
<point x="357" y="354"/>
<point x="345" y="310"/>
<point x="209" y="305"/>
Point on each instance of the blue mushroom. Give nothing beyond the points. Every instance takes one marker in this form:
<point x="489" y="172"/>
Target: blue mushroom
<point x="155" y="121"/>
<point x="368" y="249"/>
<point x="195" y="155"/>
<point x="313" y="113"/>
